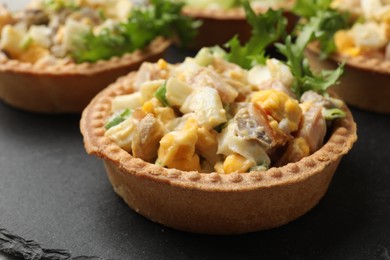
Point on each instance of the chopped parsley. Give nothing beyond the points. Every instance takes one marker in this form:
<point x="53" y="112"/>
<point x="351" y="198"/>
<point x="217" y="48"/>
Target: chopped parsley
<point x="117" y="119"/>
<point x="160" y="18"/>
<point x="266" y="29"/>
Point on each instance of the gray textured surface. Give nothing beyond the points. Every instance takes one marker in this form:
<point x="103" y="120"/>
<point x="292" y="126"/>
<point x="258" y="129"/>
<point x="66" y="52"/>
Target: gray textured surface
<point x="52" y="192"/>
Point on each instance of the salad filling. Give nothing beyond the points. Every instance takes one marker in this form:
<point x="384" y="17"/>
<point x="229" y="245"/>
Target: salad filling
<point x="359" y="27"/>
<point x="50" y="31"/>
<point x="370" y="32"/>
<point x="226" y="112"/>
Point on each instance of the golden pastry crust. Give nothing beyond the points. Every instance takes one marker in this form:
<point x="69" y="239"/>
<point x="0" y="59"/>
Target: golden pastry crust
<point x="213" y="203"/>
<point x="67" y="88"/>
<point x="216" y="21"/>
<point x="366" y="80"/>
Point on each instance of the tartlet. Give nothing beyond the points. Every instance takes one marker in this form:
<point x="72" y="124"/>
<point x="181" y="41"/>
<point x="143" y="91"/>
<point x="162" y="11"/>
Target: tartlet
<point x="57" y="55"/>
<point x="363" y="45"/>
<point x="215" y="21"/>
<point x="67" y="88"/>
<point x="213" y="203"/>
<point x="222" y="143"/>
<point x="365" y="83"/>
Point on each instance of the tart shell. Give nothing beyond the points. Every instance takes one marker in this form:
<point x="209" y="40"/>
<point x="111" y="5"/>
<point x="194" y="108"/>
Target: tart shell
<point x="219" y="26"/>
<point x="67" y="88"/>
<point x="366" y="81"/>
<point x="213" y="203"/>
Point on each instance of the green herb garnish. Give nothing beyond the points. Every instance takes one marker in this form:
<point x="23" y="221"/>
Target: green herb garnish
<point x="57" y="5"/>
<point x="160" y="18"/>
<point x="117" y="119"/>
<point x="161" y="95"/>
<point x="334" y="113"/>
<point x="26" y="42"/>
<point x="266" y="29"/>
<point x="305" y="79"/>
<point x="327" y="21"/>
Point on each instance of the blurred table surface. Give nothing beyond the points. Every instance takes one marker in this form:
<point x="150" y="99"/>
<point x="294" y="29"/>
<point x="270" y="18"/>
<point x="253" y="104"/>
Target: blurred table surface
<point x="52" y="192"/>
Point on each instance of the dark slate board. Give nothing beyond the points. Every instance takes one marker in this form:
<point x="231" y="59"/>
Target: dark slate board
<point x="53" y="193"/>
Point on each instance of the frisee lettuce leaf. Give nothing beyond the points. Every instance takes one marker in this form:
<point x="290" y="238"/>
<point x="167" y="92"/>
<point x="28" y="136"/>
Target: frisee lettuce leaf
<point x="304" y="78"/>
<point x="309" y="8"/>
<point x="160" y="18"/>
<point x="266" y="29"/>
<point x="321" y="24"/>
<point x="327" y="21"/>
<point x="57" y="5"/>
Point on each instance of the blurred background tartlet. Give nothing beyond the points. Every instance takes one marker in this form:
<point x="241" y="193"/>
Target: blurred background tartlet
<point x="361" y="40"/>
<point x="56" y="54"/>
<point x="221" y="20"/>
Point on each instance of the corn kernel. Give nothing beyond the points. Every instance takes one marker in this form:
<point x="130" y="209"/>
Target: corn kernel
<point x="148" y="107"/>
<point x="345" y="44"/>
<point x="162" y="64"/>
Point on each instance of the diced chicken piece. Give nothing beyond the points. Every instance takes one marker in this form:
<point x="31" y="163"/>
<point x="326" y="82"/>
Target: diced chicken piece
<point x="34" y="17"/>
<point x="146" y="139"/>
<point x="207" y="107"/>
<point x="313" y="128"/>
<point x="274" y="71"/>
<point x="278" y="86"/>
<point x="243" y="88"/>
<point x="186" y="70"/>
<point x="233" y="75"/>
<point x="326" y="102"/>
<point x="208" y="78"/>
<point x="230" y="143"/>
<point x="251" y="124"/>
